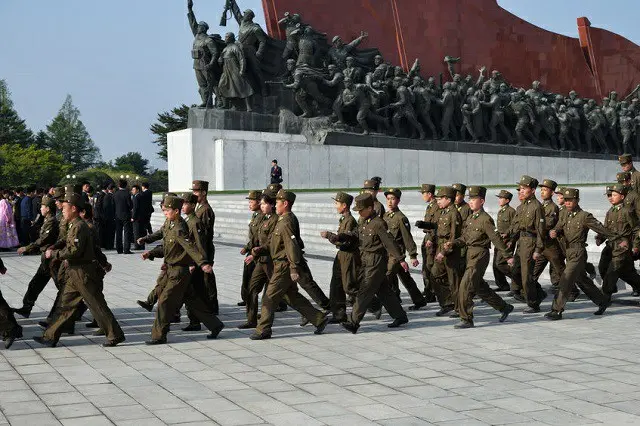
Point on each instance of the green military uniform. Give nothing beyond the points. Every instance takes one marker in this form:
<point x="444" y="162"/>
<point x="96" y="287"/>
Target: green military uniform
<point x="344" y="277"/>
<point x="157" y="251"/>
<point x="551" y="253"/>
<point x="463" y="207"/>
<point x="207" y="217"/>
<point x="606" y="254"/>
<point x="575" y="226"/>
<point x="47" y="237"/>
<point x="82" y="282"/>
<point x="501" y="270"/>
<point x="400" y="231"/>
<point x="182" y="248"/>
<point x="9" y="328"/>
<point x="428" y="253"/>
<point x="376" y="245"/>
<point x="477" y="235"/>
<point x="252" y="241"/>
<point x="619" y="220"/>
<point x="288" y="259"/>
<point x="635" y="174"/>
<point x="374" y="185"/>
<point x="528" y="230"/>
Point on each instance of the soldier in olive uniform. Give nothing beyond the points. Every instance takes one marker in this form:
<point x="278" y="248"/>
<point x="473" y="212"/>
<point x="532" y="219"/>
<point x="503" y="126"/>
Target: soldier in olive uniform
<point x="372" y="186"/>
<point x="344" y="278"/>
<point x="632" y="199"/>
<point x="506" y="213"/>
<point x="575" y="226"/>
<point x="287" y="257"/>
<point x="551" y="253"/>
<point x="47" y="237"/>
<point x="81" y="279"/>
<point x="446" y="268"/>
<point x="252" y="241"/>
<point x="606" y="253"/>
<point x="9" y="327"/>
<point x="375" y="244"/>
<point x="182" y="251"/>
<point x="528" y="230"/>
<point x="205" y="215"/>
<point x="400" y="231"/>
<point x="562" y="244"/>
<point x="459" y="203"/>
<point x="620" y="221"/>
<point x="427" y="247"/>
<point x="478" y="234"/>
<point x="626" y="163"/>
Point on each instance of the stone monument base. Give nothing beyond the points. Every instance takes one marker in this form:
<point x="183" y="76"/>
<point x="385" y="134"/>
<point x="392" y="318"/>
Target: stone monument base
<point x="240" y="160"/>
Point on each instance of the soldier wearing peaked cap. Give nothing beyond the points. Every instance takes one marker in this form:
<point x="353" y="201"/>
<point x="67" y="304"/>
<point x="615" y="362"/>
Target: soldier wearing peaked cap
<point x="506" y="213"/>
<point x="400" y="231"/>
<point x="528" y="230"/>
<point x="252" y="241"/>
<point x="460" y="203"/>
<point x="288" y="260"/>
<point x="632" y="198"/>
<point x="81" y="279"/>
<point x="375" y="245"/>
<point x="477" y="236"/>
<point x="427" y="248"/>
<point x="346" y="265"/>
<point x="626" y="163"/>
<point x="272" y="190"/>
<point x="574" y="226"/>
<point x="372" y="186"/>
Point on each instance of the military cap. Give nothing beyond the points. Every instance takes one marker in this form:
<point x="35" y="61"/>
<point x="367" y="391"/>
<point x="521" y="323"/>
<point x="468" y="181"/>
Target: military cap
<point x="363" y="201"/>
<point x="189" y="197"/>
<point x="173" y="202"/>
<point x="335" y="38"/>
<point x="446" y="191"/>
<point x="343" y="197"/>
<point x="571" y="193"/>
<point x="48" y="201"/>
<point x="548" y="183"/>
<point x="608" y="189"/>
<point x="169" y="194"/>
<point x="200" y="185"/>
<point x="460" y="187"/>
<point x="272" y="190"/>
<point x="427" y="187"/>
<point x="625" y="158"/>
<point x="254" y="195"/>
<point x="58" y="192"/>
<point x="72" y="189"/>
<point x="371" y="184"/>
<point x="620" y="189"/>
<point x="74" y="199"/>
<point x="623" y="176"/>
<point x="396" y="192"/>
<point x="528" y="181"/>
<point x="505" y="194"/>
<point x="559" y="190"/>
<point x="285" y="195"/>
<point x="477" y="192"/>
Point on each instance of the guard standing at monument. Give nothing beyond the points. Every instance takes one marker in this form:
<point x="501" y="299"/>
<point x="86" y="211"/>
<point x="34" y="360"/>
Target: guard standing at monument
<point x="252" y="241"/>
<point x="375" y="244"/>
<point x="575" y="226"/>
<point x="81" y="279"/>
<point x="478" y="234"/>
<point x="626" y="162"/>
<point x="47" y="237"/>
<point x="400" y="231"/>
<point x="506" y="213"/>
<point x="346" y="265"/>
<point x="427" y="247"/>
<point x="287" y="257"/>
<point x="205" y="215"/>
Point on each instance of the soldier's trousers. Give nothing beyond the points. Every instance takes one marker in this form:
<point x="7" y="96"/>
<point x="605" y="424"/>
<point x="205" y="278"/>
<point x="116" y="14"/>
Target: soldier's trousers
<point x="8" y="325"/>
<point x="372" y="281"/>
<point x="447" y="279"/>
<point x="574" y="272"/>
<point x="309" y="285"/>
<point x="259" y="279"/>
<point x="247" y="271"/>
<point x="176" y="290"/>
<point x="501" y="270"/>
<point x="523" y="272"/>
<point x="551" y="254"/>
<point x="395" y="273"/>
<point x="605" y="259"/>
<point x="36" y="285"/>
<point x="427" y="278"/>
<point x="344" y="281"/>
<point x="82" y="283"/>
<point x="620" y="267"/>
<point x="472" y="283"/>
<point x="281" y="287"/>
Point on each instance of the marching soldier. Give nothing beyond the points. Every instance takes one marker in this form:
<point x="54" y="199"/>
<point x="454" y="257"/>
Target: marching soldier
<point x="459" y="203"/>
<point x="205" y="215"/>
<point x="372" y="186"/>
<point x="8" y="325"/>
<point x="626" y="163"/>
<point x="506" y="213"/>
<point x="252" y="241"/>
<point x="427" y="247"/>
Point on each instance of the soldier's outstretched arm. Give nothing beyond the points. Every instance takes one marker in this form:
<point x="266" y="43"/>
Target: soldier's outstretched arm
<point x="193" y="23"/>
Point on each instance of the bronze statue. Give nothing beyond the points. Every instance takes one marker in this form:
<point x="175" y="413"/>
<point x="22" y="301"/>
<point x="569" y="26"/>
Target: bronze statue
<point x="234" y="83"/>
<point x="359" y="95"/>
<point x="339" y="50"/>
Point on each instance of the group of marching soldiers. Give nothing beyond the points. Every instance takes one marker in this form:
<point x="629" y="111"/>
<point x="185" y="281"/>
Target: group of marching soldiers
<point x="368" y="267"/>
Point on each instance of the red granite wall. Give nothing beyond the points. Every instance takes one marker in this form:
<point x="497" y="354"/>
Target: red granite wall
<point x="480" y="32"/>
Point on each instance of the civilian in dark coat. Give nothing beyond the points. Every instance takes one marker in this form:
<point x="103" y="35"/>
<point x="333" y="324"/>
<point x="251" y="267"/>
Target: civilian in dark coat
<point x="124" y="232"/>
<point x="148" y="205"/>
<point x="108" y="218"/>
<point x="138" y="216"/>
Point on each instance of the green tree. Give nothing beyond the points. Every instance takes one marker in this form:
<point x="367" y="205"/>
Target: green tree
<point x="131" y="161"/>
<point x="67" y="135"/>
<point x="30" y="166"/>
<point x="13" y="129"/>
<point x="170" y="121"/>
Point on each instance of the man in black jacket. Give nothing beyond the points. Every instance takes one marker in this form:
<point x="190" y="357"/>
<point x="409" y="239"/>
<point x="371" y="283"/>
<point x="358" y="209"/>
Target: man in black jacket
<point x="138" y="216"/>
<point x="108" y="218"/>
<point x="147" y="196"/>
<point x="123" y="218"/>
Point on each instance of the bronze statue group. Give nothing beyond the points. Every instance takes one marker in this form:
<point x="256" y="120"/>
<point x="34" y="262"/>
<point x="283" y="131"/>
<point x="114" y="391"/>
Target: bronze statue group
<point x="372" y="246"/>
<point x="352" y="89"/>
